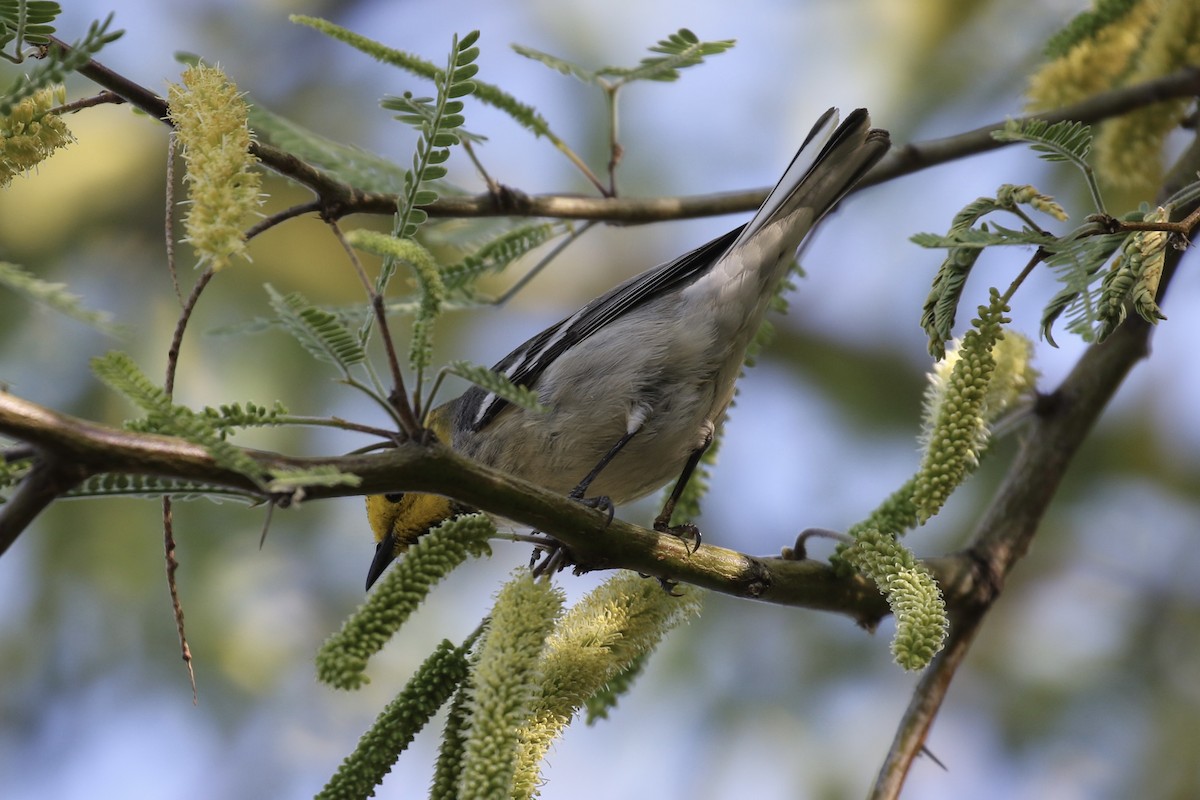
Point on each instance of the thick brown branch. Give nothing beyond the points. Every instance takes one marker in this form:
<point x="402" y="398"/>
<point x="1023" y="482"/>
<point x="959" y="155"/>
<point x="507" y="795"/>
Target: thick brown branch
<point x="94" y="449"/>
<point x="45" y="483"/>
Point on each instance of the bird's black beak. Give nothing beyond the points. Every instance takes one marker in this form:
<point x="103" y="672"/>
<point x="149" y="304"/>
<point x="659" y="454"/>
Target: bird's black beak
<point x="385" y="553"/>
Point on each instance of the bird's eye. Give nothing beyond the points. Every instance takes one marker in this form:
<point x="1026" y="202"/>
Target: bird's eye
<point x="394" y="497"/>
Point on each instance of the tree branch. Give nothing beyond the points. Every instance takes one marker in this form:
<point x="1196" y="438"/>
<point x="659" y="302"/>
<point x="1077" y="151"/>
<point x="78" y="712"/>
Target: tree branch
<point x="909" y="158"/>
<point x="94" y="449"/>
<point x="1006" y="529"/>
<point x="337" y="199"/>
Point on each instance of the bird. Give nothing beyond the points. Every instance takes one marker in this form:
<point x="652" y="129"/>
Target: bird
<point x="636" y="383"/>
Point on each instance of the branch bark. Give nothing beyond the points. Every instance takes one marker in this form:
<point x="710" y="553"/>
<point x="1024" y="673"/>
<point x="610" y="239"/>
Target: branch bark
<point x="95" y="449"/>
<point x="337" y="199"/>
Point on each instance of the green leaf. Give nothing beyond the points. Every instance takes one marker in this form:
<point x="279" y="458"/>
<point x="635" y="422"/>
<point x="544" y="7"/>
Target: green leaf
<point x="964" y="244"/>
<point x="978" y="239"/>
<point x="320" y="333"/>
<point x="498" y="253"/>
<point x="525" y="115"/>
<point x="421" y="111"/>
<point x="53" y="295"/>
<point x="1062" y="141"/>
<point x="497" y="384"/>
<point x="287" y="480"/>
<point x="27" y="22"/>
<point x="153" y="486"/>
<point x="432" y="150"/>
<point x="352" y="165"/>
<point x="250" y="415"/>
<point x="569" y="68"/>
<point x="1068" y="142"/>
<point x="680" y="50"/>
<point x="58" y="64"/>
<point x="1077" y="263"/>
<point x="120" y="372"/>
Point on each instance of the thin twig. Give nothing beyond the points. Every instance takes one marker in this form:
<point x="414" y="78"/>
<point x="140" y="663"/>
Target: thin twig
<point x="905" y="159"/>
<point x="543" y="262"/>
<point x="399" y="397"/>
<point x="173" y="588"/>
<point x="103" y="98"/>
<point x="185" y="315"/>
<point x="266" y="223"/>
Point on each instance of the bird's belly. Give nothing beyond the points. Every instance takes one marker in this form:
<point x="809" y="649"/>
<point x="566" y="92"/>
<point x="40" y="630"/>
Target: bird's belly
<point x="559" y="448"/>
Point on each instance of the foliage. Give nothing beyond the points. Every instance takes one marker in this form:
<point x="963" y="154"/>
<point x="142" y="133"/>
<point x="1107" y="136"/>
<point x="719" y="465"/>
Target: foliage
<point x="119" y="371"/>
<point x="1122" y="43"/>
<point x="426" y="692"/>
<point x="531" y="667"/>
<point x="678" y="51"/>
<point x="57" y="64"/>
<point x="26" y="22"/>
<point x="53" y="295"/>
<point x="343" y="658"/>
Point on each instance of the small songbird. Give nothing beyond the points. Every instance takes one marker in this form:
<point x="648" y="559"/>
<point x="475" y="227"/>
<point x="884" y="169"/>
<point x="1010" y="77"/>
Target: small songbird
<point x="636" y="383"/>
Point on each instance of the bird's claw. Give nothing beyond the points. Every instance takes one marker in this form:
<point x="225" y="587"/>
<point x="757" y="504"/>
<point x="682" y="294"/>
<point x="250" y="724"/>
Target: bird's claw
<point x="687" y="532"/>
<point x="603" y="504"/>
<point x="557" y="557"/>
<point x="669" y="586"/>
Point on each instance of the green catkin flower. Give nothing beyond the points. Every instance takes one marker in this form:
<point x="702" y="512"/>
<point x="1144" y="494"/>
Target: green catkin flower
<point x="959" y="429"/>
<point x="504" y="684"/>
<point x="394" y="729"/>
<point x="210" y="118"/>
<point x="433" y="290"/>
<point x="447" y="772"/>
<point x="912" y="594"/>
<point x="920" y="612"/>
<point x="1116" y="286"/>
<point x="599" y="704"/>
<point x="597" y="642"/>
<point x="1013" y="377"/>
<point x="29" y="135"/>
<point x="342" y="660"/>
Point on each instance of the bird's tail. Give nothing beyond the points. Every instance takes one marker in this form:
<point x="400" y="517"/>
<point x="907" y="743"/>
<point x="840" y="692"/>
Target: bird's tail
<point x="831" y="161"/>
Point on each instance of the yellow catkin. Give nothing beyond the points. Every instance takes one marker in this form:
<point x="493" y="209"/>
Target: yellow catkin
<point x="29" y="135"/>
<point x="211" y="120"/>
<point x="1093" y="65"/>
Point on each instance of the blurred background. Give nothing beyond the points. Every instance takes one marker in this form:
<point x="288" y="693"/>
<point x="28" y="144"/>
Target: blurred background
<point x="1082" y="684"/>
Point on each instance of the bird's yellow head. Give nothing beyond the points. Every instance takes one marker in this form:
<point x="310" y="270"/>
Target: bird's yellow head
<point x="398" y="519"/>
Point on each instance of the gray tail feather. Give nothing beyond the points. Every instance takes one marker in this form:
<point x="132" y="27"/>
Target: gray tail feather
<point x="819" y="178"/>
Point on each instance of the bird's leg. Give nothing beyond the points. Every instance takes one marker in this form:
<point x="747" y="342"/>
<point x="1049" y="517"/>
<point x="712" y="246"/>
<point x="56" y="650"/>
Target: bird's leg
<point x="662" y="523"/>
<point x="579" y="491"/>
<point x="557" y="556"/>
